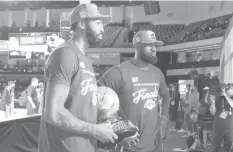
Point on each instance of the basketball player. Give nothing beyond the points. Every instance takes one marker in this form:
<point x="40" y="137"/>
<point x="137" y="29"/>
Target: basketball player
<point x="139" y="84"/>
<point x="69" y="120"/>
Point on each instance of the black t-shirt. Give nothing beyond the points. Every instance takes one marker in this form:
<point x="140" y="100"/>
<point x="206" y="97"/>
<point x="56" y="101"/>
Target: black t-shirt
<point x="138" y="91"/>
<point x="68" y="66"/>
<point x="6" y="97"/>
<point x="175" y="98"/>
<point x="221" y="104"/>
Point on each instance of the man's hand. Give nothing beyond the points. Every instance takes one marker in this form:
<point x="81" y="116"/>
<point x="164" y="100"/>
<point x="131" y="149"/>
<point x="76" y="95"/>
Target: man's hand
<point x="31" y="102"/>
<point x="33" y="105"/>
<point x="224" y="92"/>
<point x="191" y="134"/>
<point x="163" y="126"/>
<point x="104" y="133"/>
<point x="128" y="142"/>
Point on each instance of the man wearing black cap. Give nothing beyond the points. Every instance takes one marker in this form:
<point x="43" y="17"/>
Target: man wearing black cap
<point x="69" y="120"/>
<point x="222" y="128"/>
<point x="196" y="130"/>
<point x="139" y="85"/>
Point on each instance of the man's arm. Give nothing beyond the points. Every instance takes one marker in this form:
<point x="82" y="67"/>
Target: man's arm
<point x="164" y="93"/>
<point x="206" y="97"/>
<point x="229" y="100"/>
<point x="212" y="107"/>
<point x="112" y="79"/>
<point x="31" y="102"/>
<point x="29" y="93"/>
<point x="57" y="115"/>
<point x="61" y="67"/>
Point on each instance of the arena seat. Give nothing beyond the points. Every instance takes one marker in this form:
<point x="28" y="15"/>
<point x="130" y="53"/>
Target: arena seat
<point x="111" y="32"/>
<point x="163" y="32"/>
<point x="210" y="28"/>
<point x="115" y="33"/>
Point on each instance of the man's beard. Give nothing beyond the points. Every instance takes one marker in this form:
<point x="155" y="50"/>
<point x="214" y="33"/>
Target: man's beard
<point x="148" y="57"/>
<point x="93" y="39"/>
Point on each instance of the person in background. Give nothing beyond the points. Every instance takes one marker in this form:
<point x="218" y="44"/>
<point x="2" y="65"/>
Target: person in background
<point x="32" y="98"/>
<point x="184" y="105"/>
<point x="13" y="98"/>
<point x="40" y="95"/>
<point x="192" y="129"/>
<point x="222" y="128"/>
<point x="194" y="103"/>
<point x="207" y="103"/>
<point x="174" y="103"/>
<point x="7" y="98"/>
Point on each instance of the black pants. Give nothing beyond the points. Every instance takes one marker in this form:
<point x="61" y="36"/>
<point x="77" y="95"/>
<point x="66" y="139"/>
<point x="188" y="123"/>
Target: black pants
<point x="222" y="135"/>
<point x="190" y="140"/>
<point x="30" y="110"/>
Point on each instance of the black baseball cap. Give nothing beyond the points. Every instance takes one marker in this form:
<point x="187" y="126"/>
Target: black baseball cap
<point x="193" y="111"/>
<point x="11" y="82"/>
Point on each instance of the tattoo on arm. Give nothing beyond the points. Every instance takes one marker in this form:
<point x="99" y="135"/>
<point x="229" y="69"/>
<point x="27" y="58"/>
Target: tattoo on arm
<point x="58" y="115"/>
<point x="67" y="121"/>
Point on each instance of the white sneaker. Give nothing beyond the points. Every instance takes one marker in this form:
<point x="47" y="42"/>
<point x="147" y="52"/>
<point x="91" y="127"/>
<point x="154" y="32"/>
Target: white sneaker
<point x="185" y="136"/>
<point x="180" y="149"/>
<point x="182" y="130"/>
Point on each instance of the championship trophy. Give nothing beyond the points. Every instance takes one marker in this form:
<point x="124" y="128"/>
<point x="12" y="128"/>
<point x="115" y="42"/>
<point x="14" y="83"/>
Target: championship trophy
<point x="108" y="108"/>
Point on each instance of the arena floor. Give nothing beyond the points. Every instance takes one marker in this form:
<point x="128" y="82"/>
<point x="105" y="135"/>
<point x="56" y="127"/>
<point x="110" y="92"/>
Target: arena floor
<point x="174" y="139"/>
<point x="19" y="113"/>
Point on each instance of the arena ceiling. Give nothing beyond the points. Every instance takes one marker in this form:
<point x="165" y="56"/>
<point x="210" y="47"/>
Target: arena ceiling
<point x="171" y="11"/>
<point x="36" y="5"/>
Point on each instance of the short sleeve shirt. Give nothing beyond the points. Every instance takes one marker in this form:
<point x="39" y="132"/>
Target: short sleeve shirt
<point x="69" y="67"/>
<point x="138" y="91"/>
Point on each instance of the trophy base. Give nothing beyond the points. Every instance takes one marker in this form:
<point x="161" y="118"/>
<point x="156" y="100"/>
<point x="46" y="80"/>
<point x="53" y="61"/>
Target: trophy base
<point x="196" y="150"/>
<point x="122" y="128"/>
<point x="125" y="133"/>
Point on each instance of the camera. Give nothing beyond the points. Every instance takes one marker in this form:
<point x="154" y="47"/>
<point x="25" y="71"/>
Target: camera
<point x="224" y="86"/>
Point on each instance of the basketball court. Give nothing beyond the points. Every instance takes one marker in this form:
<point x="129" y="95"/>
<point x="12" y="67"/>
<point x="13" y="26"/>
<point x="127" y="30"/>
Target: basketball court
<point x="19" y="113"/>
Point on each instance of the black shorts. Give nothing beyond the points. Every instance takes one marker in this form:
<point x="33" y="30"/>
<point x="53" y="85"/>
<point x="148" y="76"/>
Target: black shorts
<point x="173" y="112"/>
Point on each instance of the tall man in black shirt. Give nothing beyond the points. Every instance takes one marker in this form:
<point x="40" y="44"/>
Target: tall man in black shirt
<point x="222" y="131"/>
